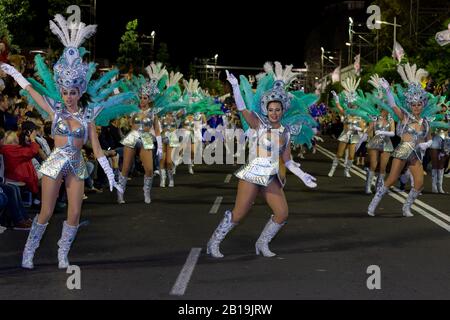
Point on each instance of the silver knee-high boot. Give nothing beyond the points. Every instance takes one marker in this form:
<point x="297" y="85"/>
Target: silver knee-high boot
<point x="123" y="183"/>
<point x="162" y="178"/>
<point x="369" y="179"/>
<point x="333" y="167"/>
<point x="440" y="180"/>
<point x="412" y="196"/>
<point x="262" y="244"/>
<point x="225" y="226"/>
<point x="170" y="175"/>
<point x="67" y="236"/>
<point x="376" y="200"/>
<point x="380" y="181"/>
<point x="434" y="180"/>
<point x="34" y="238"/>
<point x="147" y="188"/>
<point x="348" y="165"/>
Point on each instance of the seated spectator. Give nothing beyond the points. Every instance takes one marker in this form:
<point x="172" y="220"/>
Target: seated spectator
<point x="18" y="159"/>
<point x="14" y="207"/>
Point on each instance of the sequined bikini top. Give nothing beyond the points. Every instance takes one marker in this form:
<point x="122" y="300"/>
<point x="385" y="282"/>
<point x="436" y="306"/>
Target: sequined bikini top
<point x="188" y="123"/>
<point x="61" y="127"/>
<point x="265" y="131"/>
<point x="144" y="120"/>
<point x="168" y="124"/>
<point x="408" y="128"/>
<point x="352" y="121"/>
<point x="383" y="127"/>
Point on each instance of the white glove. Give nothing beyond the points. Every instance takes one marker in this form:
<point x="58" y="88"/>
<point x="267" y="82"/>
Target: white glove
<point x="20" y="79"/>
<point x="240" y="104"/>
<point x="425" y="145"/>
<point x="384" y="133"/>
<point x="364" y="137"/>
<point x="109" y="173"/>
<point x="317" y="138"/>
<point x="390" y="97"/>
<point x="307" y="179"/>
<point x="356" y="128"/>
<point x="335" y="96"/>
<point x="159" y="152"/>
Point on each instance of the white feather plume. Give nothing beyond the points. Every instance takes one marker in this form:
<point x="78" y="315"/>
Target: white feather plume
<point x="72" y="36"/>
<point x="156" y="71"/>
<point x="191" y="86"/>
<point x="174" y="78"/>
<point x="375" y="81"/>
<point x="350" y="84"/>
<point x="410" y="74"/>
<point x="285" y="75"/>
<point x="268" y="68"/>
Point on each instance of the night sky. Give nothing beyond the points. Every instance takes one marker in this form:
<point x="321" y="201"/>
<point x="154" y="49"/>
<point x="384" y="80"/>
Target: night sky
<point x="243" y="33"/>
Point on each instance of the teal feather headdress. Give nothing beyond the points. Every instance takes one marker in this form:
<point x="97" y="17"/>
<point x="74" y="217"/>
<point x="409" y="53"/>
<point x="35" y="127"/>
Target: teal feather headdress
<point x="296" y="117"/>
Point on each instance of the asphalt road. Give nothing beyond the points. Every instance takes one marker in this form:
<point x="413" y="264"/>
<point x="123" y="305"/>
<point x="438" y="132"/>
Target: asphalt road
<point x="139" y="251"/>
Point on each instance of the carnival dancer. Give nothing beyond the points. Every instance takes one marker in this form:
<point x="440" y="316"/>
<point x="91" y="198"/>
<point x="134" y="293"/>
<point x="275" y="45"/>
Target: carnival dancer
<point x="440" y="151"/>
<point x="353" y="125"/>
<point x="140" y="137"/>
<point x="72" y="126"/>
<point x="274" y="116"/>
<point x="412" y="106"/>
<point x="381" y="130"/>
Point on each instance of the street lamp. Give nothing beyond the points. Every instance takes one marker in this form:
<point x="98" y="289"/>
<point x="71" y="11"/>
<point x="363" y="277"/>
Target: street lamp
<point x="152" y="35"/>
<point x="395" y="25"/>
<point x="321" y="59"/>
<point x="350" y="39"/>
<point x="215" y="64"/>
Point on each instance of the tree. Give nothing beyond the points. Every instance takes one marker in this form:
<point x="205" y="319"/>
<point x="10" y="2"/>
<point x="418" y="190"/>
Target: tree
<point x="129" y="49"/>
<point x="215" y="87"/>
<point x="163" y="54"/>
<point x="15" y="15"/>
<point x="435" y="59"/>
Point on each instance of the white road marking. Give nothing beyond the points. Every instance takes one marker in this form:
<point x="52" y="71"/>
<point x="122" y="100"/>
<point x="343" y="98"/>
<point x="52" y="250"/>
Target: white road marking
<point x="228" y="178"/>
<point x="400" y="196"/>
<point x="180" y="286"/>
<point x="216" y="205"/>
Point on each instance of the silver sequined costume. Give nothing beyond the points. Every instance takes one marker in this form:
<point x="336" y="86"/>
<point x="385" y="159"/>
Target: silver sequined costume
<point x="140" y="138"/>
<point x="441" y="141"/>
<point x="168" y="131"/>
<point x="350" y="134"/>
<point x="262" y="170"/>
<point x="379" y="142"/>
<point x="66" y="159"/>
<point x="408" y="150"/>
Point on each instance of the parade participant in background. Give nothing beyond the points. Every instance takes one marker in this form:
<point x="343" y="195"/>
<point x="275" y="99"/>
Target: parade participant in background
<point x="381" y="129"/>
<point x="353" y="125"/>
<point x="412" y="106"/>
<point x="140" y="137"/>
<point x="440" y="150"/>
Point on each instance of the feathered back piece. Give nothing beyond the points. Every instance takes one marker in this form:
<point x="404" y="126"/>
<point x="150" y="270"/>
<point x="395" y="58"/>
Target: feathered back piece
<point x="273" y="85"/>
<point x="174" y="78"/>
<point x="375" y="81"/>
